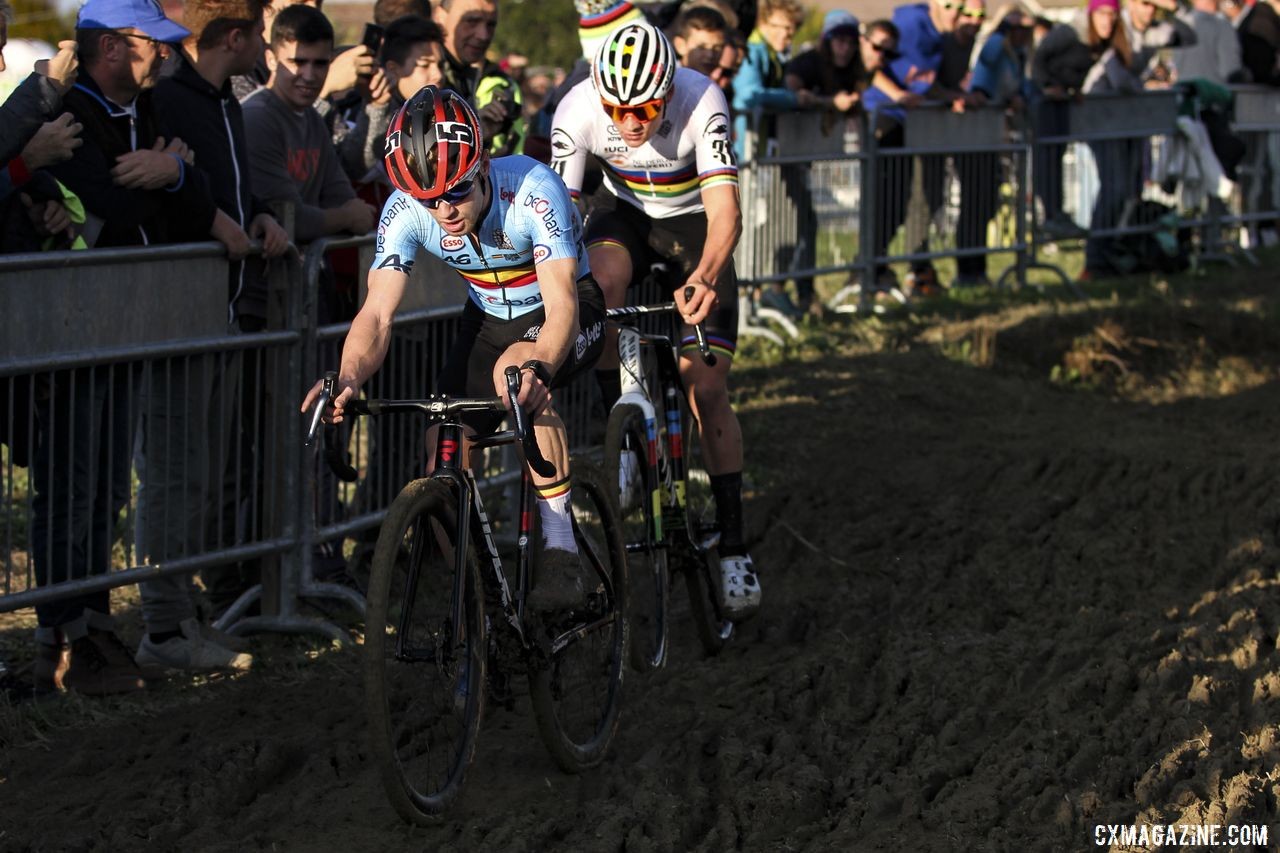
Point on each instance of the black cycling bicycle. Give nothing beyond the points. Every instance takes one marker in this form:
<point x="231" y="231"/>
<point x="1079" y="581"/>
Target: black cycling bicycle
<point x="652" y="453"/>
<point x="447" y="630"/>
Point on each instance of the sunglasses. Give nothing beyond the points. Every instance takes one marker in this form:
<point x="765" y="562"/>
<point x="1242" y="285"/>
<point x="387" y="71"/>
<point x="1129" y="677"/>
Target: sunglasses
<point x="975" y="14"/>
<point x="643" y="113"/>
<point x="885" y="50"/>
<point x="460" y="193"/>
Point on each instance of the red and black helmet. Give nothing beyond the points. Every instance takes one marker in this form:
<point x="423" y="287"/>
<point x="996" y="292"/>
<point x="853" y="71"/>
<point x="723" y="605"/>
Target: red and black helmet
<point x="433" y="143"/>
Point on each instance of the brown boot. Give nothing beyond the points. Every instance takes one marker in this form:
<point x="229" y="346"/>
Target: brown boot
<point x="51" y="666"/>
<point x="102" y="666"/>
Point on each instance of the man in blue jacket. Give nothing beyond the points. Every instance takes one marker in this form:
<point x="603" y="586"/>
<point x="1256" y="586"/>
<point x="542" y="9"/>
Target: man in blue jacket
<point x="920" y="44"/>
<point x="759" y="90"/>
<point x="759" y="94"/>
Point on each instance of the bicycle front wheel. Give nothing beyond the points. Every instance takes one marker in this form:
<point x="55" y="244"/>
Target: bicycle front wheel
<point x="626" y="463"/>
<point x="577" y="690"/>
<point x="424" y="656"/>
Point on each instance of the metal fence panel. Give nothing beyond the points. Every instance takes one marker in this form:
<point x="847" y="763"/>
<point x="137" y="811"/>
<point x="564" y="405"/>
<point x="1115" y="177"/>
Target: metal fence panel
<point x="123" y="299"/>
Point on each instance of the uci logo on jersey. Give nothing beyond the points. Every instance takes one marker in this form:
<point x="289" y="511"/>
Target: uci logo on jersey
<point x="453" y="131"/>
<point x="451" y="244"/>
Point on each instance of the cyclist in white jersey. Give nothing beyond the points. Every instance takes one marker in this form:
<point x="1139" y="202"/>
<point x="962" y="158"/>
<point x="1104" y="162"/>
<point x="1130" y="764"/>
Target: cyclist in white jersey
<point x="661" y="135"/>
<point x="511" y="231"/>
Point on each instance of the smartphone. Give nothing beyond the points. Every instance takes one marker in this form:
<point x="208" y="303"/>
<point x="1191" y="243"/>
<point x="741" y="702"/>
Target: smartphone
<point x="372" y="38"/>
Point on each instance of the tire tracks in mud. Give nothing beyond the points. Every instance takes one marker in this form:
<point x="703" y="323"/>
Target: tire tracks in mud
<point x="1027" y="611"/>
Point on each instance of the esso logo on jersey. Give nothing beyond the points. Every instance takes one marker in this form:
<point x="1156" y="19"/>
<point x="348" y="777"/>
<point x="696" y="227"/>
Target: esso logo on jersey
<point x="540" y="253"/>
<point x="451" y="243"/>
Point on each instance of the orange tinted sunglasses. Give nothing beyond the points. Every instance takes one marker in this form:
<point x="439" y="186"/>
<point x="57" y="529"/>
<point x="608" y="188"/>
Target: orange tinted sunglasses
<point x="643" y="113"/>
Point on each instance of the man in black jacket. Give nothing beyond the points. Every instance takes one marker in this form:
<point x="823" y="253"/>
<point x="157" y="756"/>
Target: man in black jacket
<point x="198" y="465"/>
<point x="1259" y="29"/>
<point x="126" y="174"/>
<point x="142" y="190"/>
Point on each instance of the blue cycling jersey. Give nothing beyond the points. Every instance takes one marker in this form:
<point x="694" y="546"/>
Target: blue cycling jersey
<point x="530" y="219"/>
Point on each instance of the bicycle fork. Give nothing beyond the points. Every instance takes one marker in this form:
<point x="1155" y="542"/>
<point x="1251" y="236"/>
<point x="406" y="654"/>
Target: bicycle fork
<point x="634" y="393"/>
<point x="472" y="519"/>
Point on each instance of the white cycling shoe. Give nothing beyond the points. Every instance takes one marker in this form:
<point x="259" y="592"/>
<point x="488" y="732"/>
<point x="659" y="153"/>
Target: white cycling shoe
<point x="739" y="588"/>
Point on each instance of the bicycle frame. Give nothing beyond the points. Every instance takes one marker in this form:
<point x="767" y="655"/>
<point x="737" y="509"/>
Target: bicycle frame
<point x="635" y="390"/>
<point x="473" y="524"/>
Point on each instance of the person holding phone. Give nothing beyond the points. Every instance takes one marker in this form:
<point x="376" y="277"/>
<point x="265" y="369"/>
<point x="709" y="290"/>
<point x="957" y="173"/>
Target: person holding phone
<point x="411" y="57"/>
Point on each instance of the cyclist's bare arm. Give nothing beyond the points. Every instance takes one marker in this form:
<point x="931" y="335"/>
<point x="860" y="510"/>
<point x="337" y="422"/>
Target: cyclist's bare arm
<point x="557" y="280"/>
<point x="367" y="341"/>
<point x="724" y="226"/>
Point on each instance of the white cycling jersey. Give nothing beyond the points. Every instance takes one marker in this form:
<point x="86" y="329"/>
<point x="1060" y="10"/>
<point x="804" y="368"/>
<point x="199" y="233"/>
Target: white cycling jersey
<point x="530" y="220"/>
<point x="691" y="149"/>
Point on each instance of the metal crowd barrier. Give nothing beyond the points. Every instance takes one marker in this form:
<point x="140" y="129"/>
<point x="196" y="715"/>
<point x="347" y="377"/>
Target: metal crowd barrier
<point x="146" y="440"/>
<point x="856" y="195"/>
<point x="95" y="345"/>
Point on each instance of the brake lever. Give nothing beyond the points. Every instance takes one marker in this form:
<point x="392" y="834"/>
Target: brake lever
<point x="326" y="394"/>
<point x="332" y="455"/>
<point x="700" y="332"/>
<point x="524" y="430"/>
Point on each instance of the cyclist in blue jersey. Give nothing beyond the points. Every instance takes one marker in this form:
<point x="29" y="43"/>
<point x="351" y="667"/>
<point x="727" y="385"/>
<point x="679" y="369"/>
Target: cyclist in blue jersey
<point x="510" y="229"/>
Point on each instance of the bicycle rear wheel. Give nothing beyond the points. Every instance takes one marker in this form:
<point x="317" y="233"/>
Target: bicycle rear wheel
<point x="702" y="562"/>
<point x="626" y="463"/>
<point x="577" y="690"/>
<point x="424" y="674"/>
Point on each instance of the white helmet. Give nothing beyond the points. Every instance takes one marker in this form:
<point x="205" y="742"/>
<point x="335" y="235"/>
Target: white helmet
<point x="635" y="65"/>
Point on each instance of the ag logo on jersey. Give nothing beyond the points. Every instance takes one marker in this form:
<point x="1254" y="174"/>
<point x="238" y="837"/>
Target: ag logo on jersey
<point x="451" y="243"/>
<point x="453" y="131"/>
<point x="394" y="262"/>
<point x="540" y="253"/>
<point x="392" y="144"/>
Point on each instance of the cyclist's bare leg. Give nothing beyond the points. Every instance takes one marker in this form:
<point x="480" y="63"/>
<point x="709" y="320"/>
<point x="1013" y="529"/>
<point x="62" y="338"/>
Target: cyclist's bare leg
<point x="547" y="426"/>
<point x="558" y="583"/>
<point x="612" y="269"/>
<point x="708" y="388"/>
<point x="722" y="454"/>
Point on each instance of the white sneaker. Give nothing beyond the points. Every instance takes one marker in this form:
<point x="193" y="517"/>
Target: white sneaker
<point x="190" y="652"/>
<point x="739" y="587"/>
<point x="221" y="638"/>
<point x="630" y="480"/>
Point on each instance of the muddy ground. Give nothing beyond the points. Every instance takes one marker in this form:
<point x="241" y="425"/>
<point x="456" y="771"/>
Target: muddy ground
<point x="1022" y="577"/>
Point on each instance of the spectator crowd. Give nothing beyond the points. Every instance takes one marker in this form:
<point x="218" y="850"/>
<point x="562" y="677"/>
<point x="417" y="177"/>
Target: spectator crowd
<point x="245" y="122"/>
